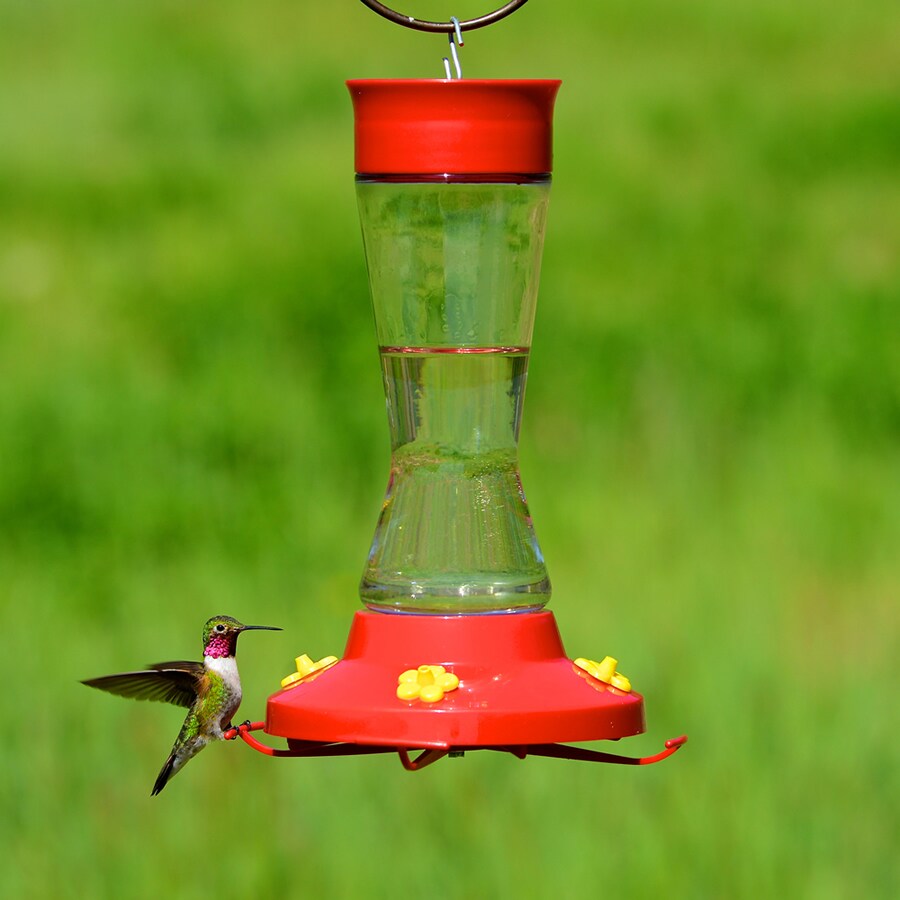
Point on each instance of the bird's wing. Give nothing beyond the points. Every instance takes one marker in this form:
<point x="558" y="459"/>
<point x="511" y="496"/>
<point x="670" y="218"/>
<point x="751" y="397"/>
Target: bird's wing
<point x="176" y="682"/>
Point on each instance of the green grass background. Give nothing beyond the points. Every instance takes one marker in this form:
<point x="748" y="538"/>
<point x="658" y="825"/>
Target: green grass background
<point x="191" y="423"/>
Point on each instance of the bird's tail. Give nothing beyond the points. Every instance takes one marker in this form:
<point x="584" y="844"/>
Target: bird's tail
<point x="165" y="773"/>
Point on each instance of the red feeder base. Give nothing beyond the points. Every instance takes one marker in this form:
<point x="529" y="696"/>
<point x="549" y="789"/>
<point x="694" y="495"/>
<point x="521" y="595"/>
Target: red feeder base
<point x="516" y="687"/>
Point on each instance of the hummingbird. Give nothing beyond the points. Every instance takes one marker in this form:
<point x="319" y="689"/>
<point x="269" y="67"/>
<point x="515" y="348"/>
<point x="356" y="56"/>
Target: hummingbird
<point x="210" y="690"/>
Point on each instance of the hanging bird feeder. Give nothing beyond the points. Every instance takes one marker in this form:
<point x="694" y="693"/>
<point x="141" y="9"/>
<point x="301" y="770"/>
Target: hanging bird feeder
<point x="454" y="651"/>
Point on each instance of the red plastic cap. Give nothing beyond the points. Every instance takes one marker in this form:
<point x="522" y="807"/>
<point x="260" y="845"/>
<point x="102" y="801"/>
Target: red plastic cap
<point x="460" y="127"/>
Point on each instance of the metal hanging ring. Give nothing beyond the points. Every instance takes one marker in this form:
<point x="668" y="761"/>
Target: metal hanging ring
<point x="446" y="27"/>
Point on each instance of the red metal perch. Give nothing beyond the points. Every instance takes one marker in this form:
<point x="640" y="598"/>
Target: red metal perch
<point x="299" y="749"/>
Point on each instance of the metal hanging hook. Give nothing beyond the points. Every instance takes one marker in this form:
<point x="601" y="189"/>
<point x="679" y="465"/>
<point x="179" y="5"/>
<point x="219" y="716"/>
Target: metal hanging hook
<point x="457" y="30"/>
<point x="456" y="39"/>
<point x="447" y="27"/>
<point x="453" y="29"/>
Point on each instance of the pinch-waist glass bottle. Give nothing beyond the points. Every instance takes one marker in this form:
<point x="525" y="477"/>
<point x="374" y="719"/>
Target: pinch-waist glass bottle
<point x="453" y="183"/>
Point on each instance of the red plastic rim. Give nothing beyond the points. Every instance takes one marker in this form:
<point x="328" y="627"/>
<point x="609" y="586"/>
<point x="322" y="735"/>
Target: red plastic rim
<point x="467" y="126"/>
<point x="517" y="687"/>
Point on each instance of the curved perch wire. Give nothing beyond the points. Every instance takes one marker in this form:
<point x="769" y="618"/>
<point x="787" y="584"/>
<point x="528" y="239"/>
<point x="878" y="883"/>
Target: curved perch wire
<point x="301" y="749"/>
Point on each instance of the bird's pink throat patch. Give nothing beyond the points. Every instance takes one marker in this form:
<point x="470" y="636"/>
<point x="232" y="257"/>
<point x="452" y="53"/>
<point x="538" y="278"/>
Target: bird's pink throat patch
<point x="217" y="647"/>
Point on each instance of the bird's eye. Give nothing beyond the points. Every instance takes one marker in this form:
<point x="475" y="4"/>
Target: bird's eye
<point x="220" y="628"/>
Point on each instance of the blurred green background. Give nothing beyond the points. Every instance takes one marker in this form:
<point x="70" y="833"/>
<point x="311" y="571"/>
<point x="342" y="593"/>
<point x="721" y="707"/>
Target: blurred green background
<point x="191" y="423"/>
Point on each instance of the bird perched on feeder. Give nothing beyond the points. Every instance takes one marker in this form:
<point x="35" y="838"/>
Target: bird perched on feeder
<point x="210" y="690"/>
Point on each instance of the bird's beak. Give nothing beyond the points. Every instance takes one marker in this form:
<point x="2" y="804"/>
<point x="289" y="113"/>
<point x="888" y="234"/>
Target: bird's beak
<point x="260" y="628"/>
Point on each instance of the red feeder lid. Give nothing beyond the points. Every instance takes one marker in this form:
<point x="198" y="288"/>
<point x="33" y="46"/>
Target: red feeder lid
<point x="461" y="127"/>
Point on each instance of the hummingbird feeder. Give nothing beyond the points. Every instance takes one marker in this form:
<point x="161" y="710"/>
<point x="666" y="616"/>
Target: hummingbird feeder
<point x="454" y="651"/>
